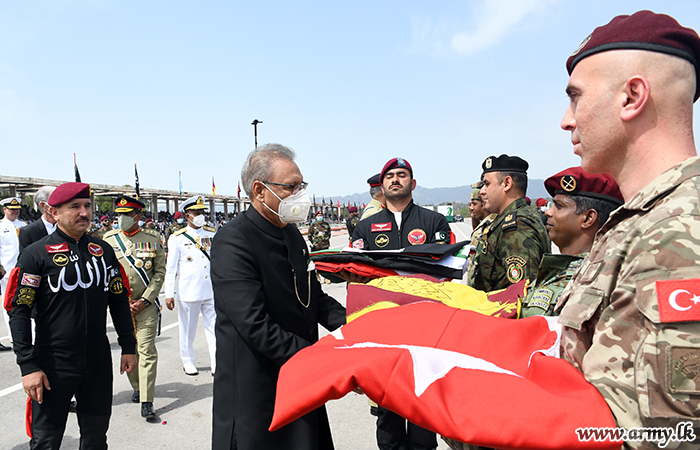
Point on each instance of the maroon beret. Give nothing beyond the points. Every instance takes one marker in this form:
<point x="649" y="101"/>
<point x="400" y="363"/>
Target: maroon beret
<point x="105" y="217"/>
<point x="177" y="215"/>
<point x="574" y="181"/>
<point x="643" y="30"/>
<point x="393" y="164"/>
<point x="540" y="202"/>
<point x="352" y="209"/>
<point x="67" y="192"/>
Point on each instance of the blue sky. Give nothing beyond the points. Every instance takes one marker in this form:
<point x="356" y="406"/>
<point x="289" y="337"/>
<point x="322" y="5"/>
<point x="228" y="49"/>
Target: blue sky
<point x="174" y="86"/>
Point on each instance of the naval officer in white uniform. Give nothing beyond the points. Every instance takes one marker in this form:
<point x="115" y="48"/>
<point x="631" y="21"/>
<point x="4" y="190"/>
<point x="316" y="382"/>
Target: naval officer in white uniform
<point x="9" y="246"/>
<point x="187" y="279"/>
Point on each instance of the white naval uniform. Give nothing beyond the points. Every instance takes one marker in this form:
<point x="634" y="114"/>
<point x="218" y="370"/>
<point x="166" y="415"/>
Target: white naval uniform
<point x="187" y="279"/>
<point x="9" y="250"/>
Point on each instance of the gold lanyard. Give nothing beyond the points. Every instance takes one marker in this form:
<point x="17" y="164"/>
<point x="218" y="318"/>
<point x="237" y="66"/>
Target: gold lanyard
<point x="308" y="300"/>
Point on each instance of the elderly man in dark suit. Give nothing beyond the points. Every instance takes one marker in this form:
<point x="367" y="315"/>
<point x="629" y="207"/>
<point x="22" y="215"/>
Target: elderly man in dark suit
<point x="269" y="304"/>
<point x="42" y="227"/>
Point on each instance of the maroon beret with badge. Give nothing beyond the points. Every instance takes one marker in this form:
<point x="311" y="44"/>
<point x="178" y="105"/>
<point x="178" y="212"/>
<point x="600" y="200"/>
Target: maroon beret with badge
<point x="395" y="163"/>
<point x="643" y="30"/>
<point x="67" y="192"/>
<point x="574" y="181"/>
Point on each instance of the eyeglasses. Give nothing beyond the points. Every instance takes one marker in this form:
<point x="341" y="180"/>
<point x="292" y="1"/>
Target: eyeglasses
<point x="294" y="187"/>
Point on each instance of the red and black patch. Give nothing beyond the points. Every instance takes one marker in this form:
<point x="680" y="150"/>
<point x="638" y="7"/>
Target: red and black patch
<point x="416" y="237"/>
<point x="95" y="249"/>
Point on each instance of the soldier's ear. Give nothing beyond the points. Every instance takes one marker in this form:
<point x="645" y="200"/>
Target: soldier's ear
<point x="590" y="219"/>
<point x="507" y="183"/>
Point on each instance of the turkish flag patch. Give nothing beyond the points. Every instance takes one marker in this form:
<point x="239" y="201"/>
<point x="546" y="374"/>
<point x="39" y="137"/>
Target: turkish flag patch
<point x="379" y="227"/>
<point x="60" y="248"/>
<point x="679" y="300"/>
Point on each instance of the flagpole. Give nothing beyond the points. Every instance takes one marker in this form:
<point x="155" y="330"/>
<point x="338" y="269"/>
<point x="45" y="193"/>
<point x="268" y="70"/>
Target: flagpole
<point x="255" y="125"/>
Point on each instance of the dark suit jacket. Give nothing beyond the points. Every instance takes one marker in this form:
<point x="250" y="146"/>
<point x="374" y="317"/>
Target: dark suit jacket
<point x="31" y="233"/>
<point x="265" y="314"/>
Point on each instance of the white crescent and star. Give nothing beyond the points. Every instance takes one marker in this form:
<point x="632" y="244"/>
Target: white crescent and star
<point x="673" y="300"/>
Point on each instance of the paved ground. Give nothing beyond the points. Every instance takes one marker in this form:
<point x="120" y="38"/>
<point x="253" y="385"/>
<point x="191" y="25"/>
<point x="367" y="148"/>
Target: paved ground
<point x="183" y="403"/>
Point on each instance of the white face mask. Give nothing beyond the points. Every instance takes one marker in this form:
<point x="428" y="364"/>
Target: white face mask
<point x="199" y="221"/>
<point x="292" y="209"/>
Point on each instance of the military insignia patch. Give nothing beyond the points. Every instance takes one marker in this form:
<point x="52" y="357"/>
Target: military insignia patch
<point x="358" y="244"/>
<point x="542" y="298"/>
<point x="122" y="202"/>
<point x="678" y="300"/>
<point x="379" y="227"/>
<point x="509" y="222"/>
<point x="441" y="236"/>
<point x="683" y="370"/>
<point x="381" y="240"/>
<point x="416" y="236"/>
<point x="57" y="248"/>
<point x="568" y="183"/>
<point x="116" y="286"/>
<point x="515" y="268"/>
<point x="60" y="259"/>
<point x="95" y="250"/>
<point x="200" y="201"/>
<point x="488" y="163"/>
<point x="26" y="296"/>
<point x="30" y="280"/>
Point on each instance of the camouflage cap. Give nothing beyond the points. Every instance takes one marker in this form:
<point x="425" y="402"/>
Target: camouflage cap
<point x="475" y="195"/>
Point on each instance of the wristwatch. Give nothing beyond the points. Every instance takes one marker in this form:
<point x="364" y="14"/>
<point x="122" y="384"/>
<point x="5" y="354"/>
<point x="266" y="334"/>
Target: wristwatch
<point x="146" y="303"/>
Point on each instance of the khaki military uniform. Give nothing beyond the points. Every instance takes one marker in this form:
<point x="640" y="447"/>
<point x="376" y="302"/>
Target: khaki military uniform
<point x="143" y="259"/>
<point x="510" y="249"/>
<point x="631" y="313"/>
<point x="554" y="274"/>
<point x="372" y="208"/>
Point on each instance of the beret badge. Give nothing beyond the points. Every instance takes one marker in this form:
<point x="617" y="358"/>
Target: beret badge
<point x="568" y="183"/>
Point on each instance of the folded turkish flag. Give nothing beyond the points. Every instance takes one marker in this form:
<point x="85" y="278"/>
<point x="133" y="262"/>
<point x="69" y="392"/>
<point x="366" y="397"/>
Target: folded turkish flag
<point x="473" y="378"/>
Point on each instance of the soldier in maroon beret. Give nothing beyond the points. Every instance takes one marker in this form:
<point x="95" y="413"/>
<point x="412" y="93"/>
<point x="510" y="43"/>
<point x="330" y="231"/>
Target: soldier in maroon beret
<point x="631" y="314"/>
<point x="67" y="281"/>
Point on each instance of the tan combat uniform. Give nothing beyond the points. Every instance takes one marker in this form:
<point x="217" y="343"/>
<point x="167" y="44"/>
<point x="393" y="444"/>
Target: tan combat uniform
<point x="642" y="272"/>
<point x="143" y="259"/>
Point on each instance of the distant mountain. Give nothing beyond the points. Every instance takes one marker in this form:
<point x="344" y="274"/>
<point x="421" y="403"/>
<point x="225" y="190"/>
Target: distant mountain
<point x="435" y="196"/>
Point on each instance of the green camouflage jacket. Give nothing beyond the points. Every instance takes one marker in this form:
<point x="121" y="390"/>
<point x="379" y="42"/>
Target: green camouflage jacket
<point x="319" y="236"/>
<point x="510" y="249"/>
<point x="350" y="225"/>
<point x="477" y="235"/>
<point x="631" y="313"/>
<point x="554" y="274"/>
<point x="172" y="229"/>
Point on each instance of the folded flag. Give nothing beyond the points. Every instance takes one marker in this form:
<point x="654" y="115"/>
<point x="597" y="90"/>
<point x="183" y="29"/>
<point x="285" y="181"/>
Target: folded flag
<point x="469" y="377"/>
<point x="393" y="291"/>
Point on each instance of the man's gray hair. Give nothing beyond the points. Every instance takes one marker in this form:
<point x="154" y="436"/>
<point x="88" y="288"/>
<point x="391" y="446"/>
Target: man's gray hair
<point x="42" y="195"/>
<point x="374" y="191"/>
<point x="259" y="164"/>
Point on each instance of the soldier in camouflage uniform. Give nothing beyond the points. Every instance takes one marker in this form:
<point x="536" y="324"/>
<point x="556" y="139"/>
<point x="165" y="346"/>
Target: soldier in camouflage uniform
<point x="582" y="203"/>
<point x="176" y="226"/>
<point x="106" y="227"/>
<point x="512" y="246"/>
<point x="319" y="233"/>
<point x="631" y="313"/>
<point x="140" y="252"/>
<point x="352" y="221"/>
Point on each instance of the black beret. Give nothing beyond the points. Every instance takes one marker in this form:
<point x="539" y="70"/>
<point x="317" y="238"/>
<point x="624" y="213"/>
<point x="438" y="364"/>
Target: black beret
<point x="504" y="163"/>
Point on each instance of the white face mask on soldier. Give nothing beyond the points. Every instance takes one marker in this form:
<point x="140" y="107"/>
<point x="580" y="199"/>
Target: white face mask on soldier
<point x="292" y="209"/>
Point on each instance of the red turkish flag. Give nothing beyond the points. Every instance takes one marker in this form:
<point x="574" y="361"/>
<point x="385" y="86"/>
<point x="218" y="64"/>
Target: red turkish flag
<point x="466" y="376"/>
<point x="679" y="300"/>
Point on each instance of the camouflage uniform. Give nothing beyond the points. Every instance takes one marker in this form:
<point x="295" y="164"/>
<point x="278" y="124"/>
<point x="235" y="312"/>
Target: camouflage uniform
<point x="615" y="314"/>
<point x="554" y="274"/>
<point x="171" y="230"/>
<point x="99" y="233"/>
<point x="478" y="233"/>
<point x="350" y="225"/>
<point x="319" y="235"/>
<point x="510" y="249"/>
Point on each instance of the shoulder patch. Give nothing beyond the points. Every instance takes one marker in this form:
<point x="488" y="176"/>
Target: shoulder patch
<point x="515" y="268"/>
<point x="150" y="232"/>
<point x="510" y="222"/>
<point x="179" y="232"/>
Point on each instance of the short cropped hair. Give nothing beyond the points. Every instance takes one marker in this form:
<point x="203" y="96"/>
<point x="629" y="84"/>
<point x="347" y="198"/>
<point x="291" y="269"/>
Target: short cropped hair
<point x="519" y="180"/>
<point x="259" y="164"/>
<point x="602" y="207"/>
<point x="42" y="195"/>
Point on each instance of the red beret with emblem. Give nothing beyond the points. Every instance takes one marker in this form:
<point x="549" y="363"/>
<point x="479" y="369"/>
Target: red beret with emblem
<point x="67" y="192"/>
<point x="574" y="181"/>
<point x="643" y="30"/>
<point x="395" y="163"/>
